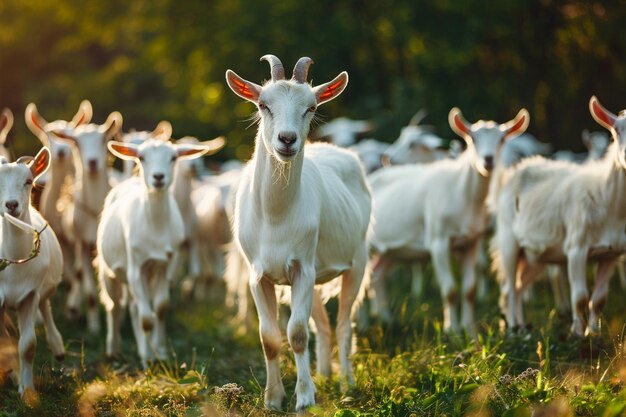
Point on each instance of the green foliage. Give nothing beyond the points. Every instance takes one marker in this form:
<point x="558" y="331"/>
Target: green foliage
<point x="165" y="59"/>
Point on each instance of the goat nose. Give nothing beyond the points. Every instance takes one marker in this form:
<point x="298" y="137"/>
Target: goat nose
<point x="288" y="138"/>
<point x="93" y="164"/>
<point x="489" y="161"/>
<point x="61" y="153"/>
<point x="11" y="205"/>
<point x="158" y="177"/>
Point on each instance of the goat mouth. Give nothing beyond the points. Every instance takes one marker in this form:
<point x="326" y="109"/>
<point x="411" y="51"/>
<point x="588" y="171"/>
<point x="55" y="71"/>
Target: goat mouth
<point x="158" y="184"/>
<point x="286" y="151"/>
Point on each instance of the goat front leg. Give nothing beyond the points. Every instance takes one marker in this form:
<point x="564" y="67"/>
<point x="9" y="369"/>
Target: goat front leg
<point x="440" y="253"/>
<point x="469" y="288"/>
<point x="90" y="289"/>
<point x="350" y="285"/>
<point x="598" y="296"/>
<point x="161" y="304"/>
<point x="53" y="336"/>
<point x="323" y="337"/>
<point x="26" y="315"/>
<point x="141" y="312"/>
<point x="113" y="297"/>
<point x="526" y="274"/>
<point x="576" y="270"/>
<point x="264" y="297"/>
<point x="302" y="287"/>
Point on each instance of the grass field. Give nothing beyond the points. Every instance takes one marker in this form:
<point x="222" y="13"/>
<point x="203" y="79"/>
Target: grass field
<point x="409" y="368"/>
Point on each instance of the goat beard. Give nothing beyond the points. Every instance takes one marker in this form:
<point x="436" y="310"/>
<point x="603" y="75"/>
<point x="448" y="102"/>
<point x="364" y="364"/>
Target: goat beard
<point x="282" y="170"/>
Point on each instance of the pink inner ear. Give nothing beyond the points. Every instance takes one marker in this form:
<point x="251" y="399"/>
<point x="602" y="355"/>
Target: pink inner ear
<point x="3" y="123"/>
<point x="33" y="118"/>
<point x="460" y="125"/>
<point x="601" y="114"/>
<point x="517" y="125"/>
<point x="330" y="90"/>
<point x="242" y="87"/>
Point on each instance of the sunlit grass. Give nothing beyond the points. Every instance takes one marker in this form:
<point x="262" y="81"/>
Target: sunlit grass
<point x="408" y="368"/>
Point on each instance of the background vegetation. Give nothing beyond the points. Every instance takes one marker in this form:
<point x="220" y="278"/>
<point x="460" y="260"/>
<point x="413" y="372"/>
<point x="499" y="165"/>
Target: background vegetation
<point x="165" y="59"/>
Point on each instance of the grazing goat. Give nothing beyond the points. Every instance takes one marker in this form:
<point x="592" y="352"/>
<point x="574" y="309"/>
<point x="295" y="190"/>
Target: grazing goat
<point x="80" y="220"/>
<point x="596" y="143"/>
<point x="301" y="217"/>
<point x="139" y="237"/>
<point x="559" y="212"/>
<point x="370" y="152"/>
<point x="30" y="266"/>
<point x="6" y="122"/>
<point x="61" y="167"/>
<point x="427" y="211"/>
<point x="343" y="131"/>
<point x="416" y="144"/>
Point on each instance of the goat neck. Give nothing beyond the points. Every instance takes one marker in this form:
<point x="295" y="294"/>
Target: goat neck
<point x="276" y="183"/>
<point x="16" y="243"/>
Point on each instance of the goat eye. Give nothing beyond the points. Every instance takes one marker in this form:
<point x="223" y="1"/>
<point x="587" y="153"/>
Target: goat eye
<point x="312" y="109"/>
<point x="262" y="106"/>
<point x="28" y="182"/>
<point x="140" y="158"/>
<point x="173" y="158"/>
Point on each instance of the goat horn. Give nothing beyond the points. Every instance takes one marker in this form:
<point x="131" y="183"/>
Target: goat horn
<point x="418" y="117"/>
<point x="278" y="71"/>
<point x="301" y="70"/>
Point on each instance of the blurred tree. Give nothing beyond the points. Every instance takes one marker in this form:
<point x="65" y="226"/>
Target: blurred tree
<point x="165" y="59"/>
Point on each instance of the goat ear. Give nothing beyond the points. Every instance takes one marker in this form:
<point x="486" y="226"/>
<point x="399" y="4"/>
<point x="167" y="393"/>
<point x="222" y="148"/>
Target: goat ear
<point x="162" y="131"/>
<point x="518" y="125"/>
<point x="6" y="122"/>
<point x="35" y="122"/>
<point x="458" y="124"/>
<point x="127" y="151"/>
<point x="243" y="88"/>
<point x="40" y="163"/>
<point x="330" y="90"/>
<point x="113" y="124"/>
<point x="84" y="113"/>
<point x="209" y="147"/>
<point x="600" y="114"/>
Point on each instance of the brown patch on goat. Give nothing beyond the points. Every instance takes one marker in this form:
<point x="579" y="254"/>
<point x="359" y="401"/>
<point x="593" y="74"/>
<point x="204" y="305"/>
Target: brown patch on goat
<point x="271" y="350"/>
<point x="29" y="354"/>
<point x="161" y="311"/>
<point x="146" y="324"/>
<point x="298" y="338"/>
<point x="451" y="297"/>
<point x="470" y="295"/>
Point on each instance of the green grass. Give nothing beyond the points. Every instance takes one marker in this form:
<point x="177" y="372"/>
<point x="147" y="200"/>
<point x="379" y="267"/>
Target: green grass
<point x="409" y="368"/>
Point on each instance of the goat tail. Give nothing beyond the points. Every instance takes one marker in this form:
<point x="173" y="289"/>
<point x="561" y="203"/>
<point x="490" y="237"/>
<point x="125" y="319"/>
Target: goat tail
<point x="105" y="298"/>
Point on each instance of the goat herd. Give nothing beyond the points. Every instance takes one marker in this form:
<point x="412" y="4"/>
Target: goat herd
<point x="298" y="216"/>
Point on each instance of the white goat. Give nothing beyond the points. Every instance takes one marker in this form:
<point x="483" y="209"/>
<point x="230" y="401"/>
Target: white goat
<point x="163" y="130"/>
<point x="557" y="212"/>
<point x="61" y="167"/>
<point x="30" y="266"/>
<point x="301" y="217"/>
<point x="139" y="237"/>
<point x="343" y="131"/>
<point x="596" y="143"/>
<point x="80" y="220"/>
<point x="416" y="144"/>
<point x="370" y="152"/>
<point x="430" y="210"/>
<point x="6" y="122"/>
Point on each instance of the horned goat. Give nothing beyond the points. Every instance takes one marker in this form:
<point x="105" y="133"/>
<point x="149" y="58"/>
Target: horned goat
<point x="301" y="217"/>
<point x="80" y="220"/>
<point x="427" y="211"/>
<point x="559" y="212"/>
<point x="30" y="261"/>
<point x="54" y="194"/>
